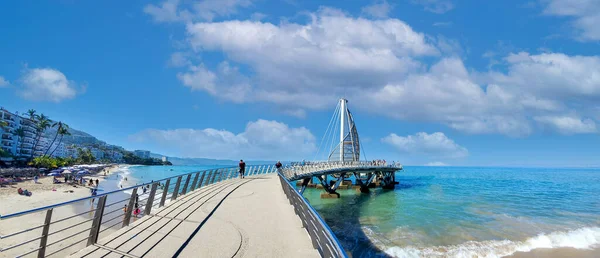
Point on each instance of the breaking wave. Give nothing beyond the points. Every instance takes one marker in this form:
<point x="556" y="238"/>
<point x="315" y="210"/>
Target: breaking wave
<point x="583" y="238"/>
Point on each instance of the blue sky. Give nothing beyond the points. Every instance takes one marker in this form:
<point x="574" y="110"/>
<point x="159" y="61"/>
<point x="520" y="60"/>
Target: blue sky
<point x="509" y="83"/>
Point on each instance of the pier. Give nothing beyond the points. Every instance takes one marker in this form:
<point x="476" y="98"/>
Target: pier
<point x="210" y="213"/>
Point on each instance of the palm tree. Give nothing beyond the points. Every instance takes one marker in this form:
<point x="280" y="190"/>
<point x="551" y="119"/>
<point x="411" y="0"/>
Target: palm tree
<point x="64" y="130"/>
<point x="32" y="115"/>
<point x="43" y="122"/>
<point x="60" y="126"/>
<point x="3" y="124"/>
<point x="21" y="133"/>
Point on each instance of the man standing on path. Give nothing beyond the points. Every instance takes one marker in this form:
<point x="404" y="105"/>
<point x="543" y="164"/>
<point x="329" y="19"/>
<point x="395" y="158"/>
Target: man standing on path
<point x="242" y="168"/>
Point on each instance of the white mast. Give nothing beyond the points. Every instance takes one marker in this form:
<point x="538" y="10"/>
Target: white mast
<point x="342" y="135"/>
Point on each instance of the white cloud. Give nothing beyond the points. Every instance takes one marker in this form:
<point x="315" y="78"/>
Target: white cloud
<point x="179" y="59"/>
<point x="568" y="124"/>
<point x="435" y="144"/>
<point x="46" y="84"/>
<point x="435" y="6"/>
<point x="380" y="9"/>
<point x="227" y="83"/>
<point x="187" y="11"/>
<point x="377" y="65"/>
<point x="258" y="16"/>
<point x="261" y="139"/>
<point x="199" y="78"/>
<point x="3" y="82"/>
<point x="311" y="64"/>
<point x="436" y="164"/>
<point x="586" y="15"/>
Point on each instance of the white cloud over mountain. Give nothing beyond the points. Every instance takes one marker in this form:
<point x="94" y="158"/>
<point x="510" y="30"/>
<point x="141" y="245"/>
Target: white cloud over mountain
<point x="261" y="139"/>
<point x="46" y="84"/>
<point x="432" y="145"/>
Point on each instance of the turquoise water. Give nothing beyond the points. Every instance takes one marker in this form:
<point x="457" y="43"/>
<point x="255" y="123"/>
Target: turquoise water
<point x="466" y="211"/>
<point x="453" y="211"/>
<point x="142" y="174"/>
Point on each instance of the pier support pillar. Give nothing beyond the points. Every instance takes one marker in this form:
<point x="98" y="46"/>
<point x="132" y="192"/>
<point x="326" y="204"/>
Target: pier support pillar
<point x="363" y="186"/>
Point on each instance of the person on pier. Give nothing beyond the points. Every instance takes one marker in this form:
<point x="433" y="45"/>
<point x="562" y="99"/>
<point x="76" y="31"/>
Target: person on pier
<point x="242" y="166"/>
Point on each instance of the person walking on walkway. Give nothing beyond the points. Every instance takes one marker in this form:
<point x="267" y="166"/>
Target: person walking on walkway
<point x="242" y="168"/>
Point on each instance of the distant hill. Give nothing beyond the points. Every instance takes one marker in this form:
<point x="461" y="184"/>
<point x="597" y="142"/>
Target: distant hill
<point x="77" y="137"/>
<point x="206" y="162"/>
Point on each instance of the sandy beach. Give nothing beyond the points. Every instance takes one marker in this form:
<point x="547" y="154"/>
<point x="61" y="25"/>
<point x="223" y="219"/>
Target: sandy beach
<point x="46" y="193"/>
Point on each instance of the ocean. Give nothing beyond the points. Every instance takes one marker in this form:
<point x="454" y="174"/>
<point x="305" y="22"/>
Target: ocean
<point x="453" y="211"/>
<point x="468" y="212"/>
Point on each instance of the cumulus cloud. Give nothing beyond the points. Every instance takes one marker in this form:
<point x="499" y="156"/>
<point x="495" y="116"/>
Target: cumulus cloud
<point x="262" y="139"/>
<point x="568" y="124"/>
<point x="310" y="64"/>
<point x="585" y="14"/>
<point x="179" y="59"/>
<point x="380" y="66"/>
<point x="435" y="6"/>
<point x="187" y="11"/>
<point x="379" y="9"/>
<point x="3" y="82"/>
<point x="435" y="144"/>
<point x="46" y="84"/>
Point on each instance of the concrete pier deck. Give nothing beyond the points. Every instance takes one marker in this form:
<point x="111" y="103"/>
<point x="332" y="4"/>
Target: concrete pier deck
<point x="237" y="218"/>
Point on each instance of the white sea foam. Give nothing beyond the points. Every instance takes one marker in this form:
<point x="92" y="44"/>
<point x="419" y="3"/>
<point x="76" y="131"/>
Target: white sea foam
<point x="583" y="238"/>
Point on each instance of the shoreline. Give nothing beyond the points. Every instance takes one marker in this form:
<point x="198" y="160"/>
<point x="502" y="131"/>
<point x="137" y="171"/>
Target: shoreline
<point x="46" y="193"/>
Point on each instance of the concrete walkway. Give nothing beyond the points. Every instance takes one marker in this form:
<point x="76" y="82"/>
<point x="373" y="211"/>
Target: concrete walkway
<point x="236" y="218"/>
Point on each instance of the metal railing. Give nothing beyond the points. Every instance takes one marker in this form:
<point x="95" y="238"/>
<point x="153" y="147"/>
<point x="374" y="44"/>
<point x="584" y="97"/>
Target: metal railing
<point x="56" y="231"/>
<point x="322" y="237"/>
<point x="298" y="170"/>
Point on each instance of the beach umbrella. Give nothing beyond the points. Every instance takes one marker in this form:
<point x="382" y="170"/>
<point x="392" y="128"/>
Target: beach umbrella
<point x="54" y="174"/>
<point x="66" y="172"/>
<point x="83" y="172"/>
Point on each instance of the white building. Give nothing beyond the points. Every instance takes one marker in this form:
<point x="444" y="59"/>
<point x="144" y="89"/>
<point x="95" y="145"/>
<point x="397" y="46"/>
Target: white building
<point x="9" y="139"/>
<point x="165" y="159"/>
<point x="117" y="156"/>
<point x="97" y="153"/>
<point x="60" y="150"/>
<point x="144" y="154"/>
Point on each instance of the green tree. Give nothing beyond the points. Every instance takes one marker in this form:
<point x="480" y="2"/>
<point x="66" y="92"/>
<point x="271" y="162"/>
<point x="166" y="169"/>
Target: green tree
<point x="20" y="132"/>
<point x="42" y="123"/>
<point x="64" y="130"/>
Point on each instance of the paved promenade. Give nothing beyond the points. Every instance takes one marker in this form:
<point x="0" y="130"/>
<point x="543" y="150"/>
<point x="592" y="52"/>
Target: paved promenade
<point x="236" y="218"/>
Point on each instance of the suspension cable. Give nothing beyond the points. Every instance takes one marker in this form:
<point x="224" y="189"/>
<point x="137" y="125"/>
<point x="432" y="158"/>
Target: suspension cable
<point x="326" y="131"/>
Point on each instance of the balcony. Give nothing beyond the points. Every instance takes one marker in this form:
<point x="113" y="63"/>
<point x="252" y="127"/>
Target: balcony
<point x="5" y="137"/>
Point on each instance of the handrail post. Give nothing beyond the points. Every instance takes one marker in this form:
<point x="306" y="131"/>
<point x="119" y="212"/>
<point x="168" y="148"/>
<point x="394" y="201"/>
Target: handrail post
<point x="210" y="173"/>
<point x="187" y="181"/>
<point x="201" y="180"/>
<point x="193" y="187"/>
<point x="212" y="179"/>
<point x="43" y="241"/>
<point x="222" y="175"/>
<point x="229" y="173"/>
<point x="150" y="200"/>
<point x="95" y="230"/>
<point x="129" y="208"/>
<point x="164" y="193"/>
<point x="176" y="190"/>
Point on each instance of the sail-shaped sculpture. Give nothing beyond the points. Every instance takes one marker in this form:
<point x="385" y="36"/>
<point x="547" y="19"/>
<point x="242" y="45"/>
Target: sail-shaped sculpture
<point x="348" y="148"/>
